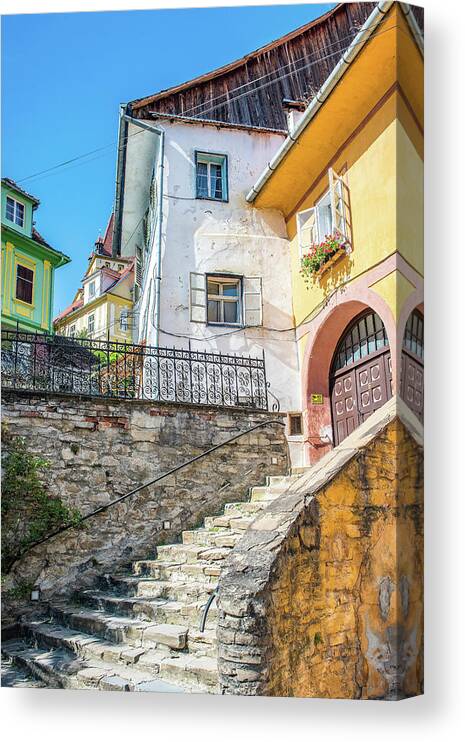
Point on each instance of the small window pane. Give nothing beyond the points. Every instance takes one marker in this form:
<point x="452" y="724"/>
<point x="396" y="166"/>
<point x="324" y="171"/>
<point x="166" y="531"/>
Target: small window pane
<point x="230" y="289"/>
<point x="213" y="288"/>
<point x="10" y="209"/>
<point x="230" y="311"/>
<point x="202" y="179"/>
<point x="19" y="216"/>
<point x="216" y="186"/>
<point x="213" y="311"/>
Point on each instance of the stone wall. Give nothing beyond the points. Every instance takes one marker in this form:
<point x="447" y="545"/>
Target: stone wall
<point x="323" y="595"/>
<point x="99" y="450"/>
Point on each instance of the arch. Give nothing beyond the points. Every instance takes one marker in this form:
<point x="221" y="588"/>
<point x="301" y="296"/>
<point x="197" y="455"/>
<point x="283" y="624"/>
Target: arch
<point x="325" y="332"/>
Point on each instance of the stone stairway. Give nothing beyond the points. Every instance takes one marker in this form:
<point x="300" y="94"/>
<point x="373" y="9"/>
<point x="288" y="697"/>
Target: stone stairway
<point x="138" y="630"/>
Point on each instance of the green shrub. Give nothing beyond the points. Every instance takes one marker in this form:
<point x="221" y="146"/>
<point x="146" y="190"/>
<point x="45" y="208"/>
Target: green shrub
<point x="29" y="511"/>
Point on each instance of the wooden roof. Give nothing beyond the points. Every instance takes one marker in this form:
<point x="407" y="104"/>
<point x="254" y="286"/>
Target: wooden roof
<point x="292" y="67"/>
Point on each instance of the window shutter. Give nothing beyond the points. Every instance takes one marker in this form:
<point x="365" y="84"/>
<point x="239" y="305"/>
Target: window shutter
<point x="197" y="297"/>
<point x="340" y="205"/>
<point x="307" y="230"/>
<point x="253" y="313"/>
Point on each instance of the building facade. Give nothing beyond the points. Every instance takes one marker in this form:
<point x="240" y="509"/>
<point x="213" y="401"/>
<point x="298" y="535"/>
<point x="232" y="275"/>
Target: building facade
<point x="347" y="184"/>
<point x="103" y="306"/>
<point x="217" y="267"/>
<point x="28" y="264"/>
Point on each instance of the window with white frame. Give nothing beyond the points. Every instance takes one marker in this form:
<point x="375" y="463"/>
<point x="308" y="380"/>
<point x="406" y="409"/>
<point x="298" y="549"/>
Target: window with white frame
<point x="91" y="289"/>
<point x="211" y="176"/>
<point x="224" y="300"/>
<point x="15" y="211"/>
<point x="329" y="215"/>
<point x="72" y="331"/>
<point x="91" y="324"/>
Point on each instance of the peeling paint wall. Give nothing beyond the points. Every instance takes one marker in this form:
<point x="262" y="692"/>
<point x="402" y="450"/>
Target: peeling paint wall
<point x="325" y="598"/>
<point x="202" y="235"/>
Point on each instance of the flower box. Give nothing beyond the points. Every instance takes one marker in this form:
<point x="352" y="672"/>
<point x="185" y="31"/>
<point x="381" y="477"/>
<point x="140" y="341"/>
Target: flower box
<point x="322" y="256"/>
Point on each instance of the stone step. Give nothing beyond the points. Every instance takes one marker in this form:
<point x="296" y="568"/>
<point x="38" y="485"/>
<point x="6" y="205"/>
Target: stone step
<point x="59" y="668"/>
<point x="178" y="553"/>
<point x="212" y="537"/>
<point x="264" y="494"/>
<point x="126" y="585"/>
<point x="158" y="610"/>
<point x="244" y="508"/>
<point x="236" y="521"/>
<point x="119" y="629"/>
<point x="201" y="570"/>
<point x="13" y="677"/>
<point x="202" y="671"/>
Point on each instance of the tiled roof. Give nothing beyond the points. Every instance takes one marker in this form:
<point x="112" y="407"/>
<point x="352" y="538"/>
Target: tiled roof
<point x="72" y="308"/>
<point x="11" y="183"/>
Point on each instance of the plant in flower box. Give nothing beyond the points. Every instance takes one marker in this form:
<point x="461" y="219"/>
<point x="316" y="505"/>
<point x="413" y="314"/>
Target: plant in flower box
<point x="312" y="262"/>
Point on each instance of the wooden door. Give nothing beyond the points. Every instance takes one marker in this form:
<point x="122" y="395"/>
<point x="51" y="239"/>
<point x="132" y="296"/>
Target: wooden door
<point x="361" y="374"/>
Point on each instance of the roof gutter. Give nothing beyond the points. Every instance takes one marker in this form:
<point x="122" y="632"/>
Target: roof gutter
<point x="371" y="23"/>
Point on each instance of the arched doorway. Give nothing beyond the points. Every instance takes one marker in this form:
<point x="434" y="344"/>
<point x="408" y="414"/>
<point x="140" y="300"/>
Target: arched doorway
<point x="412" y="364"/>
<point x="361" y="374"/>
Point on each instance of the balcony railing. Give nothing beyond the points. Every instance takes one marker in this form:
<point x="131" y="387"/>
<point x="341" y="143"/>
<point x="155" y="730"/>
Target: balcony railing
<point x="100" y="368"/>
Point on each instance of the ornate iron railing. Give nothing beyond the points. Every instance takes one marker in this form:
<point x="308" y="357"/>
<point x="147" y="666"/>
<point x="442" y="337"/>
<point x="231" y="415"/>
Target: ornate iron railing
<point x="102" y="368"/>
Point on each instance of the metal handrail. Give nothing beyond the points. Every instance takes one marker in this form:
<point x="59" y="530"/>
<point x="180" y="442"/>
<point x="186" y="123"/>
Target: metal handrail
<point x="175" y="469"/>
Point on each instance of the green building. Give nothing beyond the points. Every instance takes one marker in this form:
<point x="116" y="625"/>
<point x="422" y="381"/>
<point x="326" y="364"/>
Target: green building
<point x="28" y="264"/>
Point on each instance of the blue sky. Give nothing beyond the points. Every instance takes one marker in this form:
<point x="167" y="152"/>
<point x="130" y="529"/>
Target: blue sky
<point x="63" y="77"/>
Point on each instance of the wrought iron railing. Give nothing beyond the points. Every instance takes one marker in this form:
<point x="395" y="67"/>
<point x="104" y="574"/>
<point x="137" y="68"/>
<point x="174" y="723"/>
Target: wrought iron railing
<point x="102" y="368"/>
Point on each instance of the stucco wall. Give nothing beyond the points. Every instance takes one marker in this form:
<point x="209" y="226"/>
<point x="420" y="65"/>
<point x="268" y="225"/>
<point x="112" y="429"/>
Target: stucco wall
<point x="200" y="235"/>
<point x="99" y="450"/>
<point x="323" y="596"/>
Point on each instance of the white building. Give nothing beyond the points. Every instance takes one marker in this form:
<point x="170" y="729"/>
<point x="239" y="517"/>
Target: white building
<point x="213" y="272"/>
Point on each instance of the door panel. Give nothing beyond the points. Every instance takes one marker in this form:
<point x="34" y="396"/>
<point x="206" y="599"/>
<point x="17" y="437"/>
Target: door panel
<point x="358" y="392"/>
<point x="372" y="386"/>
<point x="344" y="405"/>
<point x="412" y="384"/>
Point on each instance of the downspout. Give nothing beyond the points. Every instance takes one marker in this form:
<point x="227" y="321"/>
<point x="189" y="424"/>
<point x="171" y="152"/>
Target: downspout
<point x="158" y="235"/>
<point x="371" y="23"/>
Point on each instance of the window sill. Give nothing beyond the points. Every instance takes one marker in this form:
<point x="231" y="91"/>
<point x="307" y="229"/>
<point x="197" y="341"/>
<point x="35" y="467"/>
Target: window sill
<point x="210" y="198"/>
<point x="24" y="303"/>
<point x="225" y="324"/>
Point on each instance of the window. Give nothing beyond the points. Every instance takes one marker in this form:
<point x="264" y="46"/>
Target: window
<point x="295" y="424"/>
<point x="72" y="331"/>
<point x="24" y="283"/>
<point x="329" y="215"/>
<point x="15" y="211"/>
<point x="224" y="300"/>
<point x="123" y="320"/>
<point x="211" y="176"/>
<point x="91" y="289"/>
<point x="91" y="324"/>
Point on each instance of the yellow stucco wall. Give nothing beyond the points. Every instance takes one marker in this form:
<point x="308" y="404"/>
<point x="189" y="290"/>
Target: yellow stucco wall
<point x="345" y="618"/>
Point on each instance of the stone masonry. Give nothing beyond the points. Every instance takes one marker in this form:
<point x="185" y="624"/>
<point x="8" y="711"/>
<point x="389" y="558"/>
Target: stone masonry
<point x="99" y="450"/>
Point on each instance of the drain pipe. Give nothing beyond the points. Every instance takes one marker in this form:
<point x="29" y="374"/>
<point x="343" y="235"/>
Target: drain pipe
<point x="160" y="170"/>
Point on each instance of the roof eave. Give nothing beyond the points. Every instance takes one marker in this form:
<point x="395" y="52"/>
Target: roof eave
<point x="357" y="44"/>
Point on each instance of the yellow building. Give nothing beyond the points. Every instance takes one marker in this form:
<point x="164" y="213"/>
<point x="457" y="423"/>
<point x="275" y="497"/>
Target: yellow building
<point x="349" y="182"/>
<point x="102" y="308"/>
